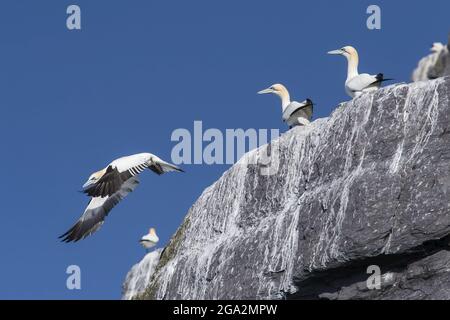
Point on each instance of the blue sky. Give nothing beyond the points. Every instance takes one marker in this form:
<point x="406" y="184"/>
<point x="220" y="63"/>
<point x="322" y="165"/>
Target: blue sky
<point x="71" y="101"/>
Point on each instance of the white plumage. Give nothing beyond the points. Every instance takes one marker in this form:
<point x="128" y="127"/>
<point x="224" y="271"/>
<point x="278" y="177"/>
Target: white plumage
<point x="357" y="83"/>
<point x="126" y="163"/>
<point x="361" y="83"/>
<point x="107" y="181"/>
<point x="294" y="113"/>
<point x="109" y="186"/>
<point x="149" y="240"/>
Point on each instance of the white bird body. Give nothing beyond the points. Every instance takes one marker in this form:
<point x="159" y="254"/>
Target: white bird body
<point x="298" y="113"/>
<point x="109" y="186"/>
<point x="128" y="162"/>
<point x="294" y="113"/>
<point x="361" y="83"/>
<point x="437" y="47"/>
<point x="356" y="84"/>
<point x="133" y="161"/>
<point x="149" y="240"/>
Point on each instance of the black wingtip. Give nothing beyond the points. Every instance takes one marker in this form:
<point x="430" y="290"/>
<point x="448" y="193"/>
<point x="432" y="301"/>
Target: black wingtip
<point x="380" y="78"/>
<point x="65" y="238"/>
<point x="65" y="234"/>
<point x="70" y="235"/>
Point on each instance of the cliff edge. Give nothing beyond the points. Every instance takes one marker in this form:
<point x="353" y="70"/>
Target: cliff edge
<point x="367" y="187"/>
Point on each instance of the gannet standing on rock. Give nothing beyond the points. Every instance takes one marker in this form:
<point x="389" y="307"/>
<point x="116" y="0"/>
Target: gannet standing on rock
<point x="357" y="83"/>
<point x="437" y="47"/>
<point x="149" y="240"/>
<point x="109" y="186"/>
<point x="294" y="113"/>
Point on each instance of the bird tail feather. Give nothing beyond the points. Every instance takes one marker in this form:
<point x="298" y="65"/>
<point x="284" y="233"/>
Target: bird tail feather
<point x="380" y="78"/>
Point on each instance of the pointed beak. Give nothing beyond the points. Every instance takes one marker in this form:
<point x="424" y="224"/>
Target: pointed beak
<point x="335" y="52"/>
<point x="265" y="91"/>
<point x="88" y="184"/>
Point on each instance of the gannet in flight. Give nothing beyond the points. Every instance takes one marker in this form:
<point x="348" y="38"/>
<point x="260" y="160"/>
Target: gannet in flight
<point x="294" y="113"/>
<point x="357" y="83"/>
<point x="149" y="240"/>
<point x="109" y="186"/>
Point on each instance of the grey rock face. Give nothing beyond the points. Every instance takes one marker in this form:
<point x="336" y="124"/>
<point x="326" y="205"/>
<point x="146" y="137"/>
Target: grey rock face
<point x="139" y="276"/>
<point x="368" y="186"/>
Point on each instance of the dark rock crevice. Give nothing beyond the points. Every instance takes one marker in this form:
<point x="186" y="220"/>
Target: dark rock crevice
<point x="329" y="284"/>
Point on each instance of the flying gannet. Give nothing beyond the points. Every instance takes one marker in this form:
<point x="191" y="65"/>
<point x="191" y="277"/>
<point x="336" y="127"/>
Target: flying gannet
<point x="149" y="240"/>
<point x="294" y="113"/>
<point x="109" y="186"/>
<point x="357" y="83"/>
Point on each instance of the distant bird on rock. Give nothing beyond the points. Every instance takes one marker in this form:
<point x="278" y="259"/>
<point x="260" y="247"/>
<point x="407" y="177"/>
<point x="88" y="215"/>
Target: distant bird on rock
<point x="109" y="186"/>
<point x="437" y="47"/>
<point x="149" y="240"/>
<point x="357" y="83"/>
<point x="294" y="113"/>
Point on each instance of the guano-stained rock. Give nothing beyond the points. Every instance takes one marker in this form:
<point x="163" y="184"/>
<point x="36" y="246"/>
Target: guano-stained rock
<point x="370" y="185"/>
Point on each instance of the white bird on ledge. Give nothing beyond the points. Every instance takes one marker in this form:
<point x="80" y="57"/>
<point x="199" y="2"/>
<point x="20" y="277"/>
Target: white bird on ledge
<point x="109" y="186"/>
<point x="357" y="83"/>
<point x="294" y="113"/>
<point x="149" y="240"/>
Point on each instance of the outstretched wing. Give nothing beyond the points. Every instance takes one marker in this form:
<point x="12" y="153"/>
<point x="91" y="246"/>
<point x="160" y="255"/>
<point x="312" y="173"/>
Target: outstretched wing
<point x="113" y="180"/>
<point x="160" y="167"/>
<point x="123" y="169"/>
<point x="96" y="212"/>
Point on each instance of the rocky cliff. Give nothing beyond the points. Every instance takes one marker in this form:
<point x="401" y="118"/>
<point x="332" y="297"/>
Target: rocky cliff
<point x="368" y="186"/>
<point x="140" y="275"/>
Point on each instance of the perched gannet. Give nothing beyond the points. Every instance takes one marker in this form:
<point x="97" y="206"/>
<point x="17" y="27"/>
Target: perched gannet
<point x="109" y="186"/>
<point x="357" y="83"/>
<point x="149" y="240"/>
<point x="294" y="113"/>
<point x="437" y="47"/>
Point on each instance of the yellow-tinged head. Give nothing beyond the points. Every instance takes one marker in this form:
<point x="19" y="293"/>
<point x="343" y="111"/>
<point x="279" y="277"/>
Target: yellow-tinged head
<point x="347" y="51"/>
<point x="277" y="89"/>
<point x="94" y="178"/>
